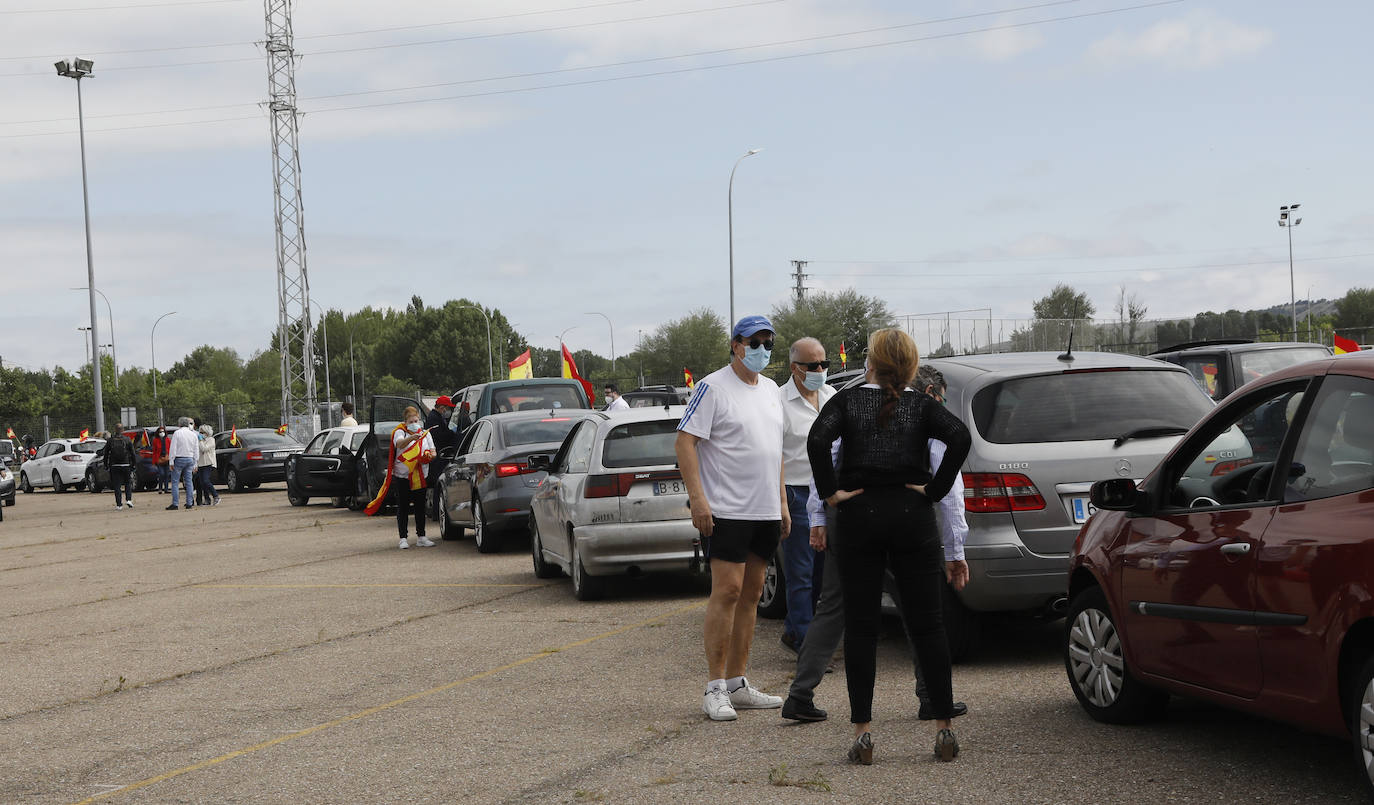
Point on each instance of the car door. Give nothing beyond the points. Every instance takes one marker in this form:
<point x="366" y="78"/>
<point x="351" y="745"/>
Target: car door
<point x="461" y="472"/>
<point x="39" y="469"/>
<point x="1188" y="571"/>
<point x="572" y="480"/>
<point x="320" y="469"/>
<point x="385" y="413"/>
<point x="1313" y="552"/>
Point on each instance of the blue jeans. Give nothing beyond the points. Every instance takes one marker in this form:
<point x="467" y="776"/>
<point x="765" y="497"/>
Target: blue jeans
<point x="181" y="476"/>
<point x="798" y="566"/>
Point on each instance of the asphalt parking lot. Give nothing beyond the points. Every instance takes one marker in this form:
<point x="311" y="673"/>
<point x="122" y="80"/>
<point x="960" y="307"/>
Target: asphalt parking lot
<point x="255" y="652"/>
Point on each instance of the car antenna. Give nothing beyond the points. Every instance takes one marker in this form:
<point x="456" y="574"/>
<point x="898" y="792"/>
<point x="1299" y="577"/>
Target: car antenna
<point x="1067" y="357"/>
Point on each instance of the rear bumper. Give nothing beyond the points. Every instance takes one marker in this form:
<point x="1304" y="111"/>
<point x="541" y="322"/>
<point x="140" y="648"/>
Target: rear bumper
<point x="259" y="473"/>
<point x="614" y="548"/>
<point x="507" y="495"/>
<point x="1004" y="575"/>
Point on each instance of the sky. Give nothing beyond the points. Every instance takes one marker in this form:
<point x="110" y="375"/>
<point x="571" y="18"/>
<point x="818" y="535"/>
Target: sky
<point x="559" y="159"/>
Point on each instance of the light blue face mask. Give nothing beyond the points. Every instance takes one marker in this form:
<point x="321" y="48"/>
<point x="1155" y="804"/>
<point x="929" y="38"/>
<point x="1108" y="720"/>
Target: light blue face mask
<point x="756" y="358"/>
<point x="814" y="381"/>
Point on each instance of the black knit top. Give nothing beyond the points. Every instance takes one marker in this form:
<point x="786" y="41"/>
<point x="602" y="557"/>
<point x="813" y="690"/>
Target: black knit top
<point x="897" y="454"/>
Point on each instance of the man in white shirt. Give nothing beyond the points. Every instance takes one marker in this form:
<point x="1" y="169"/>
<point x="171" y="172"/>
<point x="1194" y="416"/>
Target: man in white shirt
<point x="348" y="420"/>
<point x="182" y="455"/>
<point x="803" y="396"/>
<point x="615" y="402"/>
<point x="729" y="448"/>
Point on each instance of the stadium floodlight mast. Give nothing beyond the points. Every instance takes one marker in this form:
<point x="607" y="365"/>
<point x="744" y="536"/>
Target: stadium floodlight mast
<point x="730" y="223"/>
<point x="78" y="69"/>
<point x="1288" y="220"/>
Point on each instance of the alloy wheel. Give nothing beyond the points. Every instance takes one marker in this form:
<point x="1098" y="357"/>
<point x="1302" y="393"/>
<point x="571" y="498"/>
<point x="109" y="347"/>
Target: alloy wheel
<point x="1095" y="657"/>
<point x="1366" y="730"/>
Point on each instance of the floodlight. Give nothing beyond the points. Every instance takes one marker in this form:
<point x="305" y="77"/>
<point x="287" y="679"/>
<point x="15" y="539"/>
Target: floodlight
<point x="84" y="66"/>
<point x="62" y="67"/>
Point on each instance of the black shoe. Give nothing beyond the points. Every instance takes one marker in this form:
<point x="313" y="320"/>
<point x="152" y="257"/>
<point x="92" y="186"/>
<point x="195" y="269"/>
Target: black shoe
<point x="171" y="508"/>
<point x="925" y="713"/>
<point x="861" y="751"/>
<point x="797" y="710"/>
<point x="187" y="506"/>
<point x="789" y="642"/>
<point x="946" y="746"/>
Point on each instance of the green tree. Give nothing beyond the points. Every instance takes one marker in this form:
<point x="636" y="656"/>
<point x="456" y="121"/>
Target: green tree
<point x="832" y="318"/>
<point x="698" y="341"/>
<point x="220" y="367"/>
<point x="1355" y="315"/>
<point x="1049" y="330"/>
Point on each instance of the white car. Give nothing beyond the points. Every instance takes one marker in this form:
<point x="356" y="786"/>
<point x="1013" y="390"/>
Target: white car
<point x="60" y="463"/>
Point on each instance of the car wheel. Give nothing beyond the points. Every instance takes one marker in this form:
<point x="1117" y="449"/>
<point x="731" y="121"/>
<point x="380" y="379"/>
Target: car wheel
<point x="231" y="480"/>
<point x="91" y="485"/>
<point x="542" y="568"/>
<point x="57" y="484"/>
<point x="773" y="601"/>
<point x="294" y="498"/>
<point x="24" y="484"/>
<point x="1361" y="714"/>
<point x="338" y="502"/>
<point x="1096" y="663"/>
<point x="447" y="530"/>
<point x="360" y="499"/>
<point x="482" y="535"/>
<point x="963" y="626"/>
<point x="585" y="588"/>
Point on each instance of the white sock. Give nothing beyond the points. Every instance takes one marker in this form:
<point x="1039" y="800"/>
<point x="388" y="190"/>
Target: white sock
<point x="715" y="684"/>
<point x="735" y="683"/>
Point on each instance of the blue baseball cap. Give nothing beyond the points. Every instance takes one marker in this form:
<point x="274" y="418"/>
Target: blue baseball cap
<point x="749" y="325"/>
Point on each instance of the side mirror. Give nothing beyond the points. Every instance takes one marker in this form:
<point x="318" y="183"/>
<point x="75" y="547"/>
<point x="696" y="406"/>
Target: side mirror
<point x="540" y="462"/>
<point x="1117" y="494"/>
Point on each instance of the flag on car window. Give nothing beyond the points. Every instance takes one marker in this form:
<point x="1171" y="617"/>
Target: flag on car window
<point x="85" y="434"/>
<point x="521" y="367"/>
<point x="687" y="377"/>
<point x="9" y="432"/>
<point x="281" y="429"/>
<point x="570" y="371"/>
<point x="234" y="435"/>
<point x="1344" y="345"/>
<point x="843" y="357"/>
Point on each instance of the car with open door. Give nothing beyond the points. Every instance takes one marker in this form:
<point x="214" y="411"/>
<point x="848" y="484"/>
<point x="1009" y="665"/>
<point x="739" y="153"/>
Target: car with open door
<point x="327" y="468"/>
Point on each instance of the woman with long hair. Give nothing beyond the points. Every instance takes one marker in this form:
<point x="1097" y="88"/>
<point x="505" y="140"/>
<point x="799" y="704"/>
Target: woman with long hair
<point x="884" y="489"/>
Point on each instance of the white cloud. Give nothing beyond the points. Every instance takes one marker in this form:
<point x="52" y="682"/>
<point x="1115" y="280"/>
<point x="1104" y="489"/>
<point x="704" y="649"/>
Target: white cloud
<point x="1197" y="41"/>
<point x="1007" y="44"/>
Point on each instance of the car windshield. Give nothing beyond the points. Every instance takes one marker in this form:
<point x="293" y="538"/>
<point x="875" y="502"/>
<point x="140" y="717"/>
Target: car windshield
<point x="89" y="446"/>
<point x="641" y="444"/>
<point x="533" y="398"/>
<point x="529" y="431"/>
<point x="268" y="439"/>
<point x="1088" y="405"/>
<point x="1267" y="361"/>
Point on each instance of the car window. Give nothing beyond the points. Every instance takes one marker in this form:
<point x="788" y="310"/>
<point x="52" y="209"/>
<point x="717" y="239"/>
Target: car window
<point x="578" y="455"/>
<point x="266" y="439"/>
<point x="357" y="441"/>
<point x="1086" y="405"/>
<point x="1267" y="361"/>
<point x="1335" y="453"/>
<point x="88" y="446"/>
<point x="481" y="438"/>
<point x="1236" y="464"/>
<point x="529" y="431"/>
<point x="1204" y="371"/>
<point x="534" y="398"/>
<point x="333" y="438"/>
<point x="641" y="444"/>
<point x="316" y="445"/>
<point x="51" y="449"/>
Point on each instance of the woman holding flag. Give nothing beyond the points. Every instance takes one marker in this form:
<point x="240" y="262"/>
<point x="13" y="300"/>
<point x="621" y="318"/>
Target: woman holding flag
<point x="411" y="448"/>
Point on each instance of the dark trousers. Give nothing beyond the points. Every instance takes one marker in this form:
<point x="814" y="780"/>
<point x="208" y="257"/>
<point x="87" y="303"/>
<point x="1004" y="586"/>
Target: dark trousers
<point x="892" y="526"/>
<point x="164" y="477"/>
<point x="122" y="481"/>
<point x="205" y="484"/>
<point x="408" y="500"/>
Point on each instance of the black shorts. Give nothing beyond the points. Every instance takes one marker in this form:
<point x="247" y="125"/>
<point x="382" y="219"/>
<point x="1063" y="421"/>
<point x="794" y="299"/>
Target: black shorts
<point x="734" y="540"/>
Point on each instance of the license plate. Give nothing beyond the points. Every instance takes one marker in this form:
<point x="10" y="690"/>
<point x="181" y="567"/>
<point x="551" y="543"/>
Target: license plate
<point x="1082" y="510"/>
<point x="670" y="487"/>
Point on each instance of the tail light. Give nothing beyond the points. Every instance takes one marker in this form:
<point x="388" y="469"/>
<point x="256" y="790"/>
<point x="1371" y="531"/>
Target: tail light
<point x="1228" y="467"/>
<point x="72" y="458"/>
<point x="618" y="485"/>
<point x="254" y="455"/>
<point x="1000" y="492"/>
<point x="507" y="469"/>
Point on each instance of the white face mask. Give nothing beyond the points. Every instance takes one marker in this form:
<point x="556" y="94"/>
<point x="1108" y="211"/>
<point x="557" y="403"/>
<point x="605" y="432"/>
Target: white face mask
<point x="412" y="426"/>
<point x="814" y="381"/>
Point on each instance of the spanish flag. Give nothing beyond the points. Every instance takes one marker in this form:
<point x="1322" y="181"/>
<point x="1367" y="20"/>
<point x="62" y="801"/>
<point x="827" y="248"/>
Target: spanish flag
<point x="9" y="432"/>
<point x="687" y="377"/>
<point x="521" y="367"/>
<point x="570" y="371"/>
<point x="281" y="429"/>
<point x="1344" y="345"/>
<point x="844" y="359"/>
<point x="234" y="435"/>
<point x="85" y="434"/>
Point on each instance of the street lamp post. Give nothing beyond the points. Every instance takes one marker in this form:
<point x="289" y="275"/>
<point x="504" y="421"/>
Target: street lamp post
<point x="152" y="351"/>
<point x="86" y="347"/>
<point x="114" y="358"/>
<point x="730" y="216"/>
<point x="78" y="69"/>
<point x="612" y="329"/>
<point x="491" y="367"/>
<point x="1288" y="222"/>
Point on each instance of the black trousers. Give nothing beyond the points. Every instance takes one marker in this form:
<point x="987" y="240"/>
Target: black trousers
<point x="892" y="527"/>
<point x="121" y="480"/>
<point x="408" y="500"/>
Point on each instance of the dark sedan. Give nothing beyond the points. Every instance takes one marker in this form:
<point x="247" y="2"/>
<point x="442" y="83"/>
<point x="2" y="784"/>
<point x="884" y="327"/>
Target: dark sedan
<point x="488" y="486"/>
<point x="258" y="457"/>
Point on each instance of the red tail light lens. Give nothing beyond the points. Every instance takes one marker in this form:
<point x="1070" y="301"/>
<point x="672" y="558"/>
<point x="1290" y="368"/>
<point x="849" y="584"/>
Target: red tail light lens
<point x="505" y="470"/>
<point x="1000" y="492"/>
<point x="72" y="458"/>
<point x="1228" y="467"/>
<point x="254" y="455"/>
<point x="605" y="486"/>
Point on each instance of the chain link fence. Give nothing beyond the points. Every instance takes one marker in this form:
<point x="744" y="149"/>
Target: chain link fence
<point x="222" y="416"/>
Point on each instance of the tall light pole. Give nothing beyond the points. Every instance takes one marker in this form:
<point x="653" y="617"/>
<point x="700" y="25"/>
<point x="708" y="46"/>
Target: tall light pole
<point x="1288" y="222"/>
<point x="730" y="215"/>
<point x="491" y="367"/>
<point x="152" y="351"/>
<point x="114" y="359"/>
<point x="78" y="69"/>
<point x="612" y="329"/>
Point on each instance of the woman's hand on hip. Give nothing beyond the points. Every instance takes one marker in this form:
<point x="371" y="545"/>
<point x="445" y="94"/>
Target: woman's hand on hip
<point x="841" y="495"/>
<point x="918" y="487"/>
<point x="956" y="573"/>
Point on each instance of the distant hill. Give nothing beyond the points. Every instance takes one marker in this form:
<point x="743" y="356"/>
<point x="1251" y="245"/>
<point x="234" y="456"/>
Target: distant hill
<point x="1320" y="307"/>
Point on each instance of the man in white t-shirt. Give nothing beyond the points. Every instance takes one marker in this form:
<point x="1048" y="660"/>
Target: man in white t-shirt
<point x="615" y="402"/>
<point x="729" y="448"/>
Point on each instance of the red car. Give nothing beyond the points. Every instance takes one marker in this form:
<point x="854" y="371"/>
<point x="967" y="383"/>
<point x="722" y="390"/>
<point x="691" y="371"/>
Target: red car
<point x="1252" y="586"/>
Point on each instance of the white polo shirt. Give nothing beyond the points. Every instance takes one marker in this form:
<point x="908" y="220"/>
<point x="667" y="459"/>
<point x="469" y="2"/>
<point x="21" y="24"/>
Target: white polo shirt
<point x="798" y="415"/>
<point x="740" y="452"/>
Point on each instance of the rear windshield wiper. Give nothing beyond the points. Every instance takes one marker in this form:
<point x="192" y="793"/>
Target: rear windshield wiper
<point x="1157" y="430"/>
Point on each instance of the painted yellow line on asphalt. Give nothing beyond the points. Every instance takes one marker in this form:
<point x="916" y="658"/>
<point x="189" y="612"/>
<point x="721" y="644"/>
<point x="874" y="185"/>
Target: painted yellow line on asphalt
<point x="205" y="764"/>
<point x="344" y="586"/>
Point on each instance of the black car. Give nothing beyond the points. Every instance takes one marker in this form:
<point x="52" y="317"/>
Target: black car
<point x="385" y="413"/>
<point x="258" y="457"/>
<point x="653" y="396"/>
<point x="1221" y="367"/>
<point x="327" y="467"/>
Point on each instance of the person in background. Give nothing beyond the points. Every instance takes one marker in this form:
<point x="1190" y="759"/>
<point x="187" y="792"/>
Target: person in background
<point x="348" y="420"/>
<point x="205" y="465"/>
<point x="161" y="445"/>
<point x="883" y="489"/>
<point x="614" y="402"/>
<point x="445" y="443"/>
<point x="803" y="397"/>
<point x="119" y="457"/>
<point x="184" y="451"/>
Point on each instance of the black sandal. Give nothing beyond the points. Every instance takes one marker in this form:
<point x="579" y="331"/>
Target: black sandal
<point x="946" y="746"/>
<point x="861" y="751"/>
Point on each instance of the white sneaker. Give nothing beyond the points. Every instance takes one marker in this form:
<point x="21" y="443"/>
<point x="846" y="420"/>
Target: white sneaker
<point x="119" y="508"/>
<point x="749" y="697"/>
<point x="405" y="543"/>
<point x="424" y="542"/>
<point x="716" y="705"/>
<point x="130" y="504"/>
